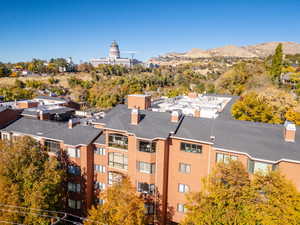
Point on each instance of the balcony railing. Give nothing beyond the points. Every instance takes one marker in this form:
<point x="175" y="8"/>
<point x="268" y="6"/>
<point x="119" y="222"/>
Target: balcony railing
<point x="118" y="145"/>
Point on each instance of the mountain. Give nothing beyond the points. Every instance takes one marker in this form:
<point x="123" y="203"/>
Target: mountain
<point x="197" y="53"/>
<point x="231" y="51"/>
<point x="249" y="51"/>
<point x="266" y="49"/>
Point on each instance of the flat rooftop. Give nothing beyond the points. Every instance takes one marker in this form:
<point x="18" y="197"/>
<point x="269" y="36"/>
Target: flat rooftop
<point x="210" y="106"/>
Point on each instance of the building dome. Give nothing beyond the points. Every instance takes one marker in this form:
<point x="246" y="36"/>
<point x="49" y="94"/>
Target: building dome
<point x="114" y="51"/>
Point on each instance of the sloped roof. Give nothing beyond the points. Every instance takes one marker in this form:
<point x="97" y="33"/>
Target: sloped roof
<point x="259" y="140"/>
<point x="152" y="124"/>
<point x="78" y="135"/>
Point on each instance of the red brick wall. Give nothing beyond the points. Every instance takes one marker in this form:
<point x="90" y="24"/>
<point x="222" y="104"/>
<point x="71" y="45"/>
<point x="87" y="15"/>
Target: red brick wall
<point x="8" y="116"/>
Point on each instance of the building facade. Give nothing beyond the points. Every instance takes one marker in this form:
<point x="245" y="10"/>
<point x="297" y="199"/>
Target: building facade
<point x="114" y="58"/>
<point x="164" y="154"/>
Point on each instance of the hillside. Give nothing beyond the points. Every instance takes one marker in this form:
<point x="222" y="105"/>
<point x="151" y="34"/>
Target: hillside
<point x="249" y="51"/>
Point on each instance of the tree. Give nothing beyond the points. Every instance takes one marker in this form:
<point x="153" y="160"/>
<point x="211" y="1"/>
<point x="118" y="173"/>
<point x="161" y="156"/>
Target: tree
<point x="278" y="202"/>
<point x="225" y="198"/>
<point x="121" y="206"/>
<point x="277" y="61"/>
<point x="29" y="179"/>
<point x="4" y="70"/>
<point x="252" y="107"/>
<point x="229" y="196"/>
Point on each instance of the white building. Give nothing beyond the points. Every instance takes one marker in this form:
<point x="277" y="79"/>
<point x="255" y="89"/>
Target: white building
<point x="205" y="105"/>
<point x="114" y="58"/>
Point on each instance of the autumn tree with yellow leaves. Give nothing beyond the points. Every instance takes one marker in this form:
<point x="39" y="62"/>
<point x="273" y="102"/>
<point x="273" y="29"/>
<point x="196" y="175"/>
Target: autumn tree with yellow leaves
<point x="121" y="205"/>
<point x="230" y="197"/>
<point x="30" y="181"/>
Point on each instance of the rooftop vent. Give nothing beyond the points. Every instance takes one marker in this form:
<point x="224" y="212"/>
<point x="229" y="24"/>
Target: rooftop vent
<point x="175" y="116"/>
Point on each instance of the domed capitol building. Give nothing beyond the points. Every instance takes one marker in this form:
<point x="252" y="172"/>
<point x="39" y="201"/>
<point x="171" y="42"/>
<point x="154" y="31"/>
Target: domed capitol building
<point x="114" y="58"/>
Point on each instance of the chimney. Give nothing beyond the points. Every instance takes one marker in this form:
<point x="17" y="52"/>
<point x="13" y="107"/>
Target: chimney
<point x="72" y="123"/>
<point x="192" y="95"/>
<point x="289" y="132"/>
<point x="175" y="117"/>
<point x="135" y="116"/>
<point x="42" y="115"/>
<point x="139" y="101"/>
<point x="197" y="113"/>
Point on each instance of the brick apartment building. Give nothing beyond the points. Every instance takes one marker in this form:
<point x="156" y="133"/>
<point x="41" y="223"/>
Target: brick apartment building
<point x="164" y="154"/>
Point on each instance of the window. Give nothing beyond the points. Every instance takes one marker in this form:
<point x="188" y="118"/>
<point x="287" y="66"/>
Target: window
<point x="75" y="170"/>
<point x="224" y="158"/>
<point x="255" y="166"/>
<point x="100" y="168"/>
<point x="145" y="188"/>
<point x="114" y="177"/>
<point x="99" y="151"/>
<point x="183" y="188"/>
<point x="118" y="160"/>
<point x="118" y="141"/>
<point x="52" y="146"/>
<point x="100" y="201"/>
<point x="181" y="208"/>
<point x="73" y="187"/>
<point x="99" y="185"/>
<point x="4" y="136"/>
<point x="149" y="208"/>
<point x="191" y="147"/>
<point x="74" y="204"/>
<point x="184" y="168"/>
<point x="74" y="152"/>
<point x="144" y="167"/>
<point x="147" y="146"/>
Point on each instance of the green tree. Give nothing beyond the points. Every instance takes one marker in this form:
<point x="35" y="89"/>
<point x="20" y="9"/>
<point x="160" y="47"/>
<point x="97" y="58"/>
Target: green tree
<point x="277" y="62"/>
<point x="29" y="179"/>
<point x="4" y="70"/>
<point x="121" y="206"/>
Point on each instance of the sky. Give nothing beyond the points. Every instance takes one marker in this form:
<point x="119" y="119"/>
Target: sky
<point x="84" y="29"/>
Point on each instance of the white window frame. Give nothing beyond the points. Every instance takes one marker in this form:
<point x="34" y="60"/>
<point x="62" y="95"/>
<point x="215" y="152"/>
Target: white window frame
<point x="183" y="188"/>
<point x="73" y="187"/>
<point x="100" y="151"/>
<point x="74" y="204"/>
<point x="185" y="168"/>
<point x="100" y="168"/>
<point x="73" y="152"/>
<point x="181" y="208"/>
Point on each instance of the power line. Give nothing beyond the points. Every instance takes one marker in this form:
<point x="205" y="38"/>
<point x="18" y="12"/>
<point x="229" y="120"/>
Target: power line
<point x="51" y="211"/>
<point x="2" y="221"/>
<point x="39" y="215"/>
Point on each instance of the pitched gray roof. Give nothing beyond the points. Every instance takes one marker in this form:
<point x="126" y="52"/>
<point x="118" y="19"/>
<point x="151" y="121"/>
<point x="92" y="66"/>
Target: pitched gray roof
<point x="79" y="134"/>
<point x="45" y="97"/>
<point x="152" y="125"/>
<point x="259" y="140"/>
<point x="35" y="111"/>
<point x="2" y="108"/>
<point x="100" y="139"/>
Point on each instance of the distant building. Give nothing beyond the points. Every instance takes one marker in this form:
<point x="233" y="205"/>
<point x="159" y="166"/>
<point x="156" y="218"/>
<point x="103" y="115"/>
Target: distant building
<point x="114" y="58"/>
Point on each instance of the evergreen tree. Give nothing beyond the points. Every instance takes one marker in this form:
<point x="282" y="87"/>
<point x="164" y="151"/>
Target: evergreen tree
<point x="277" y="61"/>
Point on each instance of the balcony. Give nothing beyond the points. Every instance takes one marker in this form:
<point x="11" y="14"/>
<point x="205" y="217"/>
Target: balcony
<point x="118" y="141"/>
